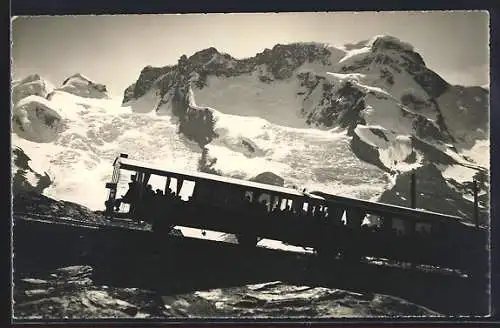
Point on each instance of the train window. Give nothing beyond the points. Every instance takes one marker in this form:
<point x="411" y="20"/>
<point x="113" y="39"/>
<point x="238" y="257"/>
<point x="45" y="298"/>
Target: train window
<point x="265" y="197"/>
<point x="423" y="227"/>
<point x="398" y="225"/>
<point x="275" y="202"/>
<point x="283" y="203"/>
<point x="354" y="217"/>
<point x="325" y="209"/>
<point x="249" y="194"/>
<point x="157" y="182"/>
<point x="370" y="219"/>
<point x="173" y="184"/>
<point x="187" y="189"/>
<point x="305" y="206"/>
<point x="344" y="217"/>
<point x="373" y="219"/>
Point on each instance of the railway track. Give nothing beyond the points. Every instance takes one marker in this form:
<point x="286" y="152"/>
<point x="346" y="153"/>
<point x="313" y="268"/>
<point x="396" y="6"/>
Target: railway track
<point x="133" y="226"/>
<point x="104" y="222"/>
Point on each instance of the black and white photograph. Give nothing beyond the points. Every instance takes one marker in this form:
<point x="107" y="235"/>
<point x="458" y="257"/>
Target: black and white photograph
<point x="291" y="165"/>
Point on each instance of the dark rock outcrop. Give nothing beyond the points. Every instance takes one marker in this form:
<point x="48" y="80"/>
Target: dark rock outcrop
<point x="21" y="169"/>
<point x="34" y="202"/>
<point x="82" y="86"/>
<point x="269" y="178"/>
<point x="147" y="78"/>
<point x="198" y="125"/>
<point x="32" y="85"/>
<point x="341" y="107"/>
<point x="434" y="193"/>
<point x="206" y="163"/>
<point x="367" y="152"/>
<point x="432" y="154"/>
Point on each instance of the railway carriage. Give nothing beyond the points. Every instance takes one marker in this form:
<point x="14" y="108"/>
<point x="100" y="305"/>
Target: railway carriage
<point x="333" y="225"/>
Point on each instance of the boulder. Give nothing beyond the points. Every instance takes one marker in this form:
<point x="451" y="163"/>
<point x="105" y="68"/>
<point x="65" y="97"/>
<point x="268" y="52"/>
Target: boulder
<point x="269" y="178"/>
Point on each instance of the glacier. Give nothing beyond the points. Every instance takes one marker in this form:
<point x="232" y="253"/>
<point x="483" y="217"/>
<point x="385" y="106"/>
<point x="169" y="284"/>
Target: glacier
<point x="79" y="159"/>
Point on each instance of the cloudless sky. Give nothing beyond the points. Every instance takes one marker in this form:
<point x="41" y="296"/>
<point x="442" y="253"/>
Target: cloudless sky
<point x="113" y="49"/>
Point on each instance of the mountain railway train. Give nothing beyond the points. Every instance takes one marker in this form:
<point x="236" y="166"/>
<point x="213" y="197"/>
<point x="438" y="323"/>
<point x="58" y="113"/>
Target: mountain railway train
<point x="332" y="225"/>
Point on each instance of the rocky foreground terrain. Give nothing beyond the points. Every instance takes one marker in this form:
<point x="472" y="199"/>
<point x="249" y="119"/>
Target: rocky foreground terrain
<point x="70" y="293"/>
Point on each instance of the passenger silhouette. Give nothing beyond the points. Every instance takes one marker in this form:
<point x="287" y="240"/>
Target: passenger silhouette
<point x="158" y="198"/>
<point x="110" y="204"/>
<point x="145" y="204"/>
<point x="131" y="197"/>
<point x="149" y="192"/>
<point x="132" y="193"/>
<point x="264" y="205"/>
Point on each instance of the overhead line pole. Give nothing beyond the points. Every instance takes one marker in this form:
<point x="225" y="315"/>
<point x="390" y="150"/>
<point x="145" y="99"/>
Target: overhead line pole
<point x="413" y="190"/>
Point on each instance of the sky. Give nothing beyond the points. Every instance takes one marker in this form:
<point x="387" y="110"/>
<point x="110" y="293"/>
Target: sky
<point x="112" y="50"/>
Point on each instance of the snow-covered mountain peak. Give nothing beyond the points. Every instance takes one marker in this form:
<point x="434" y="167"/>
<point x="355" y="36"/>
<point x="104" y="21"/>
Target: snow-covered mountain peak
<point x="276" y="64"/>
<point x="383" y="41"/>
<point x="205" y="55"/>
<point x="40" y="112"/>
<point x="77" y="77"/>
<point x="36" y="119"/>
<point x="314" y="84"/>
<point x="33" y="84"/>
<point x="353" y="46"/>
<point x="82" y="86"/>
<point x="28" y="79"/>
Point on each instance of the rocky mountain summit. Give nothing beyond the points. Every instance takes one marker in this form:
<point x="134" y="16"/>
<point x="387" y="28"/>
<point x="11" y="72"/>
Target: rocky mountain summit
<point x="82" y="86"/>
<point x="380" y="82"/>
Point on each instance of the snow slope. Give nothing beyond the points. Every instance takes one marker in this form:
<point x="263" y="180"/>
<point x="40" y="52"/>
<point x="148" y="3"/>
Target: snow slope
<point x="78" y="158"/>
<point x="246" y="95"/>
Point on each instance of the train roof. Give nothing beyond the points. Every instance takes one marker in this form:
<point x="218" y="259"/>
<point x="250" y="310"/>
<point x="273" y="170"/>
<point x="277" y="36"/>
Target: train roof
<point x="130" y="164"/>
<point x="394" y="210"/>
<point x="370" y="207"/>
